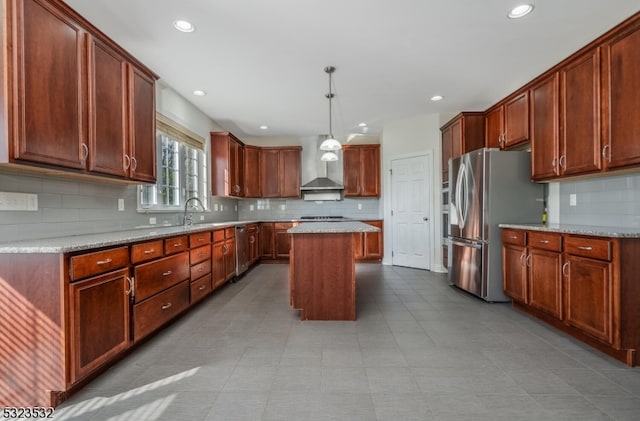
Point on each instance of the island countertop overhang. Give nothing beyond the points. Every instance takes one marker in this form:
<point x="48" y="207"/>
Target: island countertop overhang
<point x="332" y="228"/>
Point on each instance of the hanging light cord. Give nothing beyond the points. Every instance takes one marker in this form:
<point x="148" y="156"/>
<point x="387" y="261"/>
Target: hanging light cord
<point x="330" y="70"/>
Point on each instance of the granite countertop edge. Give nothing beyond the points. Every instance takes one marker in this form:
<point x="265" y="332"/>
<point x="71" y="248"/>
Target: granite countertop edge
<point x="332" y="228"/>
<point x="592" y="230"/>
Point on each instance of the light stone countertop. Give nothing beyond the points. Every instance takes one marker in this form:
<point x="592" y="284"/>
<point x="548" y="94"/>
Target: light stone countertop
<point x="90" y="241"/>
<point x="332" y="227"/>
<point x="598" y="231"/>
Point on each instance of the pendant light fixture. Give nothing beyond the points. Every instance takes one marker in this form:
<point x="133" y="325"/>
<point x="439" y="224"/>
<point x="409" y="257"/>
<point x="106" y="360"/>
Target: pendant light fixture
<point x="330" y="144"/>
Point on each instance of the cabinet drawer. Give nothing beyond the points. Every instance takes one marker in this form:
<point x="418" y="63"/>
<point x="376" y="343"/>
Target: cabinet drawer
<point x="175" y="244"/>
<point x="153" y="277"/>
<point x="516" y="237"/>
<point x="199" y="239"/>
<point x="157" y="310"/>
<point x="230" y="232"/>
<point x="595" y="248"/>
<point x="200" y="269"/>
<point x="200" y="254"/>
<point x="252" y="228"/>
<point x="218" y="235"/>
<point x="90" y="264"/>
<point x="544" y="240"/>
<point x="284" y="225"/>
<point x="147" y="251"/>
<point x="200" y="288"/>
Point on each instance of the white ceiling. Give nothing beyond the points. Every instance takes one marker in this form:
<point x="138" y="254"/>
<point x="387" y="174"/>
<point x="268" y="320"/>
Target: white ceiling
<point x="262" y="61"/>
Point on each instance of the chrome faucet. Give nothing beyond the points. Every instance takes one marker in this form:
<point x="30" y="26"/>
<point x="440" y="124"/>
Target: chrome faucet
<point x="188" y="219"/>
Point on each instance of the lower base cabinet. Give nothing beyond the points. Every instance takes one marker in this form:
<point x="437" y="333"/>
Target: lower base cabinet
<point x="584" y="285"/>
<point x="368" y="246"/>
<point x="159" y="309"/>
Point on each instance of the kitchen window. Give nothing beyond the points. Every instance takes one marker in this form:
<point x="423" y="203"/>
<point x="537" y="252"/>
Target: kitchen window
<point x="182" y="170"/>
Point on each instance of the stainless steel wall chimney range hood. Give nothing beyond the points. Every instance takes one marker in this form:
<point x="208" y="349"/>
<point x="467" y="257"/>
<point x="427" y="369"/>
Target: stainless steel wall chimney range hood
<point x="321" y="180"/>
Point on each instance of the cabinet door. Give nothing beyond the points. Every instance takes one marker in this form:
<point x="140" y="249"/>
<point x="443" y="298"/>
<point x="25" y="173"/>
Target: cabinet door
<point x="358" y="246"/>
<point x="516" y="120"/>
<point x="370" y="171"/>
<point x="251" y="172"/>
<point x="545" y="281"/>
<point x="267" y="240"/>
<point x="230" y="258"/>
<point x="545" y="119"/>
<point x="457" y="148"/>
<point x="283" y="244"/>
<point x="289" y="170"/>
<point x="494" y="128"/>
<point x="50" y="87"/>
<point x="269" y="172"/>
<point x="236" y="157"/>
<point x="446" y="153"/>
<point x="621" y="102"/>
<point x="580" y="115"/>
<point x="142" y="118"/>
<point x="514" y="272"/>
<point x="219" y="271"/>
<point x="588" y="296"/>
<point x="373" y="243"/>
<point x="351" y="171"/>
<point x="99" y="318"/>
<point x="108" y="110"/>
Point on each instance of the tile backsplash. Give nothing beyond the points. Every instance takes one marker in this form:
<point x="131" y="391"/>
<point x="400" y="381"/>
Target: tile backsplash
<point x="75" y="207"/>
<point x="604" y="201"/>
<point x="269" y="209"/>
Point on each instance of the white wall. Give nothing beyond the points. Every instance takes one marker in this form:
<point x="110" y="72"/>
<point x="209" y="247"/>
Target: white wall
<point x="411" y="137"/>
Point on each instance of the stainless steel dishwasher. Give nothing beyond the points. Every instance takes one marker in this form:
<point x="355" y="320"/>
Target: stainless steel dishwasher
<point x="242" y="243"/>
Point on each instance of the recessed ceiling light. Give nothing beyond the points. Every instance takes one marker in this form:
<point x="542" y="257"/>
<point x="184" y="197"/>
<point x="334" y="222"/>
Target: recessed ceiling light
<point x="264" y="127"/>
<point x="183" y="25"/>
<point x="362" y="125"/>
<point x="198" y="92"/>
<point x="520" y="11"/>
<point x="437" y="98"/>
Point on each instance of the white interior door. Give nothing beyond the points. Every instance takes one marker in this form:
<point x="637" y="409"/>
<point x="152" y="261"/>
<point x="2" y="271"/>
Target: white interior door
<point x="410" y="212"/>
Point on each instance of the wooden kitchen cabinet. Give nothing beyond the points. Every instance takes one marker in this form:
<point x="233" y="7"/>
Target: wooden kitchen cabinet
<point x="253" y="243"/>
<point x="99" y="322"/>
<point x="282" y="239"/>
<point x="200" y="261"/>
<point x="280" y="170"/>
<point x="368" y="246"/>
<point x="465" y="132"/>
<point x="583" y="285"/>
<point x="227" y="165"/>
<point x="514" y="269"/>
<point x="545" y="127"/>
<point x="252" y="187"/>
<point x="90" y="103"/>
<point x="267" y="240"/>
<point x="275" y="241"/>
<point x="620" y="101"/>
<point x="445" y="153"/>
<point x="507" y="124"/>
<point x="224" y="256"/>
<point x="361" y="169"/>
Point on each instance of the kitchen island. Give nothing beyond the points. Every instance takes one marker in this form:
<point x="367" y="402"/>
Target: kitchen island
<point x="322" y="279"/>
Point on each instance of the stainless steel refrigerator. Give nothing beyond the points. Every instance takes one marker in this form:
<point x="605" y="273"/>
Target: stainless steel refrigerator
<point x="488" y="187"/>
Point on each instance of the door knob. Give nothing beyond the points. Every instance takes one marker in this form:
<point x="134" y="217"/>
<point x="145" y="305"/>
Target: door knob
<point x="425" y="218"/>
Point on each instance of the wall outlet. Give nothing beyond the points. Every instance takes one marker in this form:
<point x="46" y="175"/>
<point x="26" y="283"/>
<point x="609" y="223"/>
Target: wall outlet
<point x="221" y="207"/>
<point x="18" y="202"/>
<point x="152" y="220"/>
<point x="236" y="208"/>
<point x="359" y="206"/>
<point x="572" y="200"/>
<point x="121" y="204"/>
<point x="202" y="217"/>
<point x="251" y="208"/>
<point x="215" y="207"/>
<point x="283" y="207"/>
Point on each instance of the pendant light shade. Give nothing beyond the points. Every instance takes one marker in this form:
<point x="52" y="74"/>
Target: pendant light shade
<point x="330" y="144"/>
<point x="329" y="156"/>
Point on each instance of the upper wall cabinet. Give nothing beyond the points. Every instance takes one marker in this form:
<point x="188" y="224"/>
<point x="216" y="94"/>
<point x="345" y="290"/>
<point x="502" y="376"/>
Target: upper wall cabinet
<point x="94" y="112"/>
<point x="252" y="186"/>
<point x="621" y="98"/>
<point x="464" y="133"/>
<point x="507" y="125"/>
<point x="280" y="171"/>
<point x="361" y="169"/>
<point x="227" y="165"/>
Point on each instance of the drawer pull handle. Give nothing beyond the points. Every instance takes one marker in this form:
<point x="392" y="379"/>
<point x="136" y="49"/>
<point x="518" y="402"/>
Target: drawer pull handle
<point x="513" y="237"/>
<point x="200" y="254"/>
<point x="167" y="273"/>
<point x="104" y="262"/>
<point x="177" y="244"/>
<point x="149" y="251"/>
<point x="586" y="248"/>
<point x="200" y="240"/>
<point x="543" y="241"/>
<point x="202" y="287"/>
<point x="166" y="306"/>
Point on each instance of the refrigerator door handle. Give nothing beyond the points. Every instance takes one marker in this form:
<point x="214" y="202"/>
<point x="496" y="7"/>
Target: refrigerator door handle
<point x="462" y="244"/>
<point x="460" y="205"/>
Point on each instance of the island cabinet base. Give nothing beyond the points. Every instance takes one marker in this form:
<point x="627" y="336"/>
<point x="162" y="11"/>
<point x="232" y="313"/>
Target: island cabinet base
<point x="322" y="278"/>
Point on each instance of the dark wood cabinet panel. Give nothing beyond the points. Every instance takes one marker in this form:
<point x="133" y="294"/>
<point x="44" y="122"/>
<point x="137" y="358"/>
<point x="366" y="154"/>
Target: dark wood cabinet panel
<point x="466" y="133"/>
<point x="545" y="281"/>
<point x="50" y="110"/>
<point x="369" y="246"/>
<point x="267" y="240"/>
<point x="142" y="118"/>
<point x="588" y="291"/>
<point x="494" y="127"/>
<point x="545" y="121"/>
<point x="514" y="272"/>
<point x="283" y="243"/>
<point x="252" y="172"/>
<point x="153" y="277"/>
<point x="99" y="321"/>
<point x="580" y="115"/>
<point x="224" y="256"/>
<point x="269" y="172"/>
<point x="621" y="101"/>
<point x="445" y="153"/>
<point x="361" y="170"/>
<point x="516" y="120"/>
<point x="457" y="147"/>
<point x="151" y="314"/>
<point x="289" y="171"/>
<point x="227" y="165"/>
